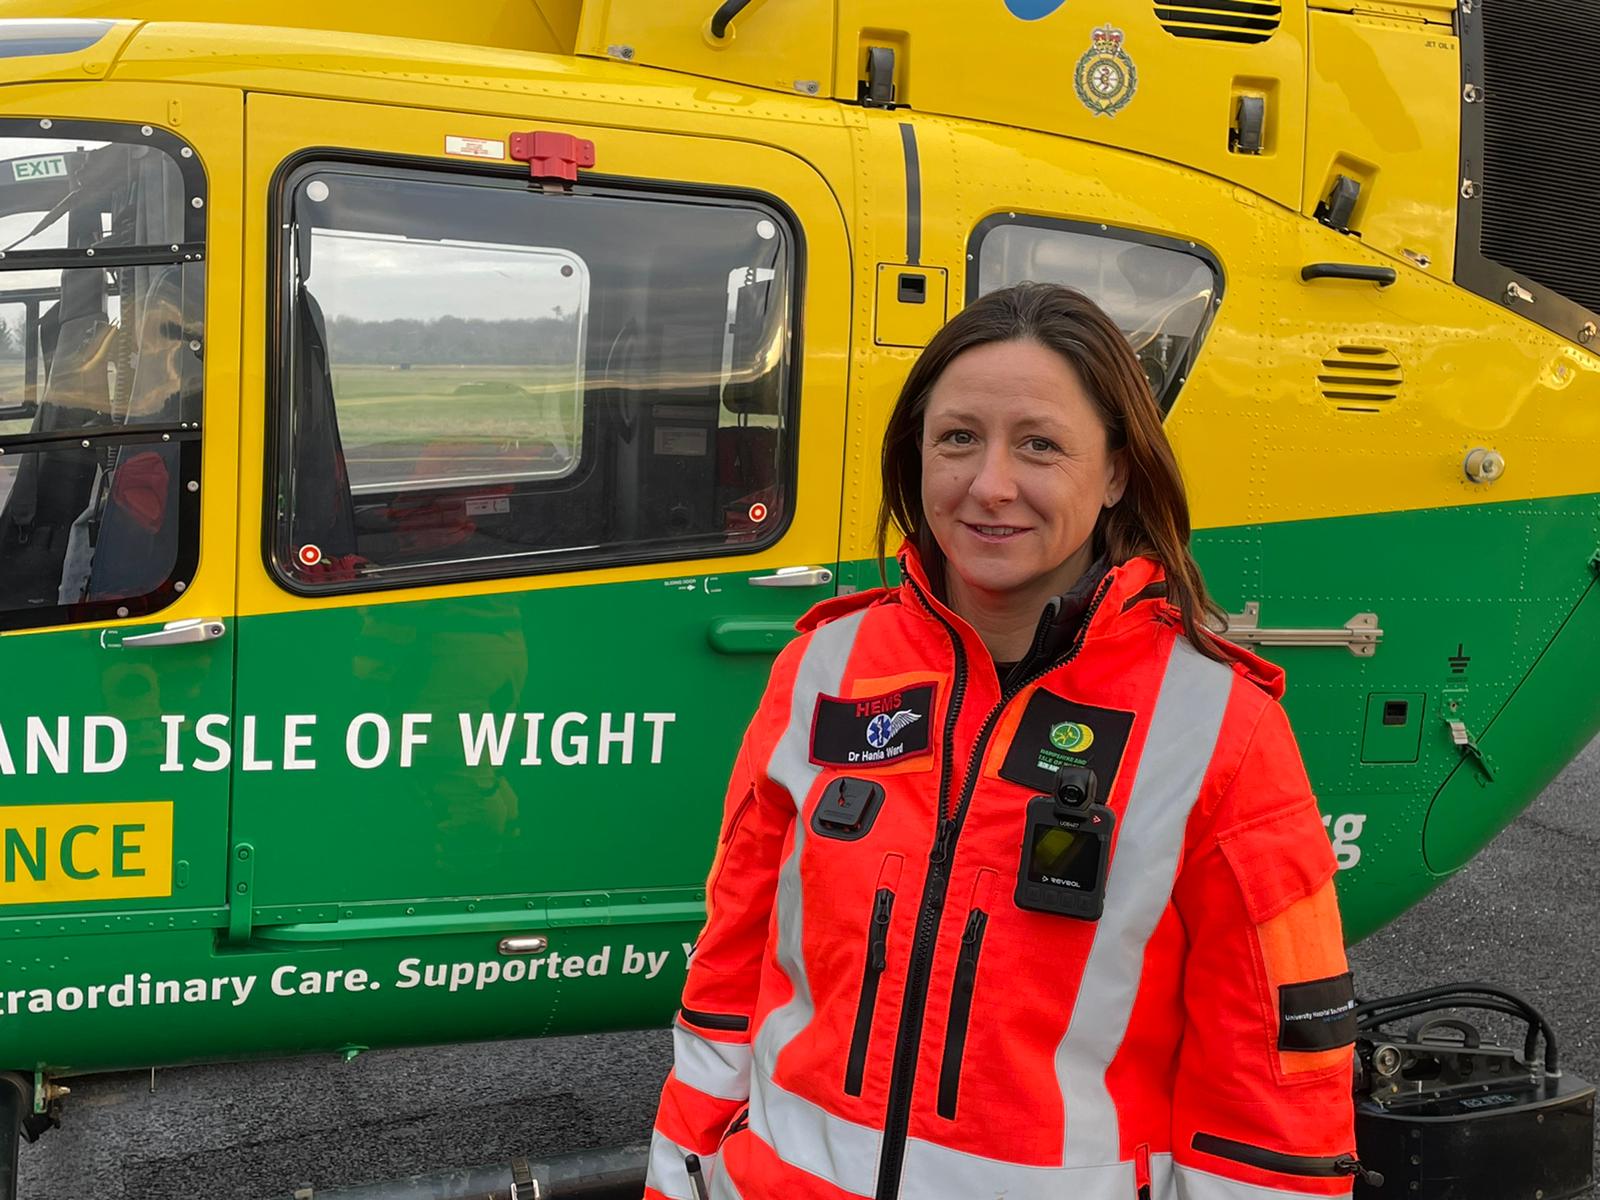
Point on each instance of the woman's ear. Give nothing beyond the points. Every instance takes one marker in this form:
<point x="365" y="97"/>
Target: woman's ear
<point x="1116" y="476"/>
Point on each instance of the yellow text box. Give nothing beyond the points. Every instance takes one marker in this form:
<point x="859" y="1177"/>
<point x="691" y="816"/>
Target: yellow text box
<point x="64" y="853"/>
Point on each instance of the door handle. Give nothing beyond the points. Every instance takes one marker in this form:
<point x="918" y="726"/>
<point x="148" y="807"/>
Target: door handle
<point x="173" y="633"/>
<point x="794" y="577"/>
<point x="1382" y="276"/>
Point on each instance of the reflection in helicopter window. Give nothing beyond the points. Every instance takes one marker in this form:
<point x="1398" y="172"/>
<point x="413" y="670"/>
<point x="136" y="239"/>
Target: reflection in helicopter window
<point x="1160" y="292"/>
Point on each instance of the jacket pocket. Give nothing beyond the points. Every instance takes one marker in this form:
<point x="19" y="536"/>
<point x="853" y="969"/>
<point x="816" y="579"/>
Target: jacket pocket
<point x="877" y="959"/>
<point x="720" y="1022"/>
<point x="737" y="816"/>
<point x="1285" y="1164"/>
<point x="955" y="1030"/>
<point x="1141" y="1170"/>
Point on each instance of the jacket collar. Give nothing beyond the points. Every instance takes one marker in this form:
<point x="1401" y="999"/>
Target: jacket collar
<point x="1117" y="604"/>
<point x="1130" y="595"/>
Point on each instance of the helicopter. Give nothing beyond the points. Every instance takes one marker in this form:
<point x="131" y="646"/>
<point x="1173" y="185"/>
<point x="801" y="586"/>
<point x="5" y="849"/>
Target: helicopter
<point x="420" y="427"/>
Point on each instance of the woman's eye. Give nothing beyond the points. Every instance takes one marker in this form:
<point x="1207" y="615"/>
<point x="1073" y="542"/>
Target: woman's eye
<point x="958" y="437"/>
<point x="1041" y="445"/>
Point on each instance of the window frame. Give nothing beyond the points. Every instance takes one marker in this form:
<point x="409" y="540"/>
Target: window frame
<point x="534" y="563"/>
<point x="578" y="463"/>
<point x="190" y="251"/>
<point x="1117" y="233"/>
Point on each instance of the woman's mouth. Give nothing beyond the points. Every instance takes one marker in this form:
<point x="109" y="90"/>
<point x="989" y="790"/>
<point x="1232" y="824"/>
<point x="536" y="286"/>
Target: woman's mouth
<point x="995" y="533"/>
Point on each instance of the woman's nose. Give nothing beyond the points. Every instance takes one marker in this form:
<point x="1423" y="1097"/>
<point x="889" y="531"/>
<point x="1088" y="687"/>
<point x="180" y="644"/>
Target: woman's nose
<point x="996" y="481"/>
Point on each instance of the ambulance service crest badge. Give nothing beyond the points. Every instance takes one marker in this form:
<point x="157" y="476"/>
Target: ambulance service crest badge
<point x="1106" y="78"/>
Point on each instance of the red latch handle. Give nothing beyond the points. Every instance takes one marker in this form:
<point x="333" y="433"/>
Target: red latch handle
<point x="552" y="155"/>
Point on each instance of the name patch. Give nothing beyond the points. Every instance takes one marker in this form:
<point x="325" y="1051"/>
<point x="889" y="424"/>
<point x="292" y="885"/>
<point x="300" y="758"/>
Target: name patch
<point x="1056" y="732"/>
<point x="873" y="729"/>
<point x="1318" y="1015"/>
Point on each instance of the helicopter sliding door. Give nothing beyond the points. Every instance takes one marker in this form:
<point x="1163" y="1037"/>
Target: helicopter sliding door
<point x="117" y="401"/>
<point x="539" y="505"/>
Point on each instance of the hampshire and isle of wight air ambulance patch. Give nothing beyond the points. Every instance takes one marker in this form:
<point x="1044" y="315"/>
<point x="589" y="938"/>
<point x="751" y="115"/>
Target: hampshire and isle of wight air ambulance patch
<point x="872" y="729"/>
<point x="1055" y="732"/>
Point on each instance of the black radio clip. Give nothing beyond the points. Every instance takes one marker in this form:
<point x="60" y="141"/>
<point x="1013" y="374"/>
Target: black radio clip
<point x="1065" y="849"/>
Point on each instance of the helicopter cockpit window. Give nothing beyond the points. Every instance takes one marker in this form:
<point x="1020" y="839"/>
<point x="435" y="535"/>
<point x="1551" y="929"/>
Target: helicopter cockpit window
<point x="479" y="378"/>
<point x="1160" y="292"/>
<point x="102" y="238"/>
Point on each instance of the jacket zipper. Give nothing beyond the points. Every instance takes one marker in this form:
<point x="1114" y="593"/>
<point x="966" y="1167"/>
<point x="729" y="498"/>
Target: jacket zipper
<point x="877" y="959"/>
<point x="955" y="1032"/>
<point x="738" y="814"/>
<point x="898" y="1116"/>
<point x="1141" y="1170"/>
<point x="1285" y="1164"/>
<point x="726" y="1022"/>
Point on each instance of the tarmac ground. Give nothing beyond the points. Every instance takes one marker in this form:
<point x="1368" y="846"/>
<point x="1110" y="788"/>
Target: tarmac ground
<point x="1522" y="914"/>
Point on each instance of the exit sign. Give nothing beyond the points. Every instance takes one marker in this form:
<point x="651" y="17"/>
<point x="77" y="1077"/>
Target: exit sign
<point x="25" y="169"/>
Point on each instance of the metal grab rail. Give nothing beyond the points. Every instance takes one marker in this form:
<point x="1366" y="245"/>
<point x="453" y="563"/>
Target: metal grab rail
<point x="1360" y="634"/>
<point x="723" y="17"/>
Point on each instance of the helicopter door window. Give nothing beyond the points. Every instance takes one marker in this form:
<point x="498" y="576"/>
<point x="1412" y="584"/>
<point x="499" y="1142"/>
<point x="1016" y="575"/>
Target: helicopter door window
<point x="479" y="379"/>
<point x="1161" y="292"/>
<point x="18" y="392"/>
<point x="101" y="307"/>
<point x="454" y="364"/>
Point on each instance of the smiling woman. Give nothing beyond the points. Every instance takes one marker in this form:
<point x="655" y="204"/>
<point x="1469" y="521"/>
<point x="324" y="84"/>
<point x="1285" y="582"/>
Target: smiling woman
<point x="1141" y="989"/>
<point x="1018" y="435"/>
<point x="1016" y="470"/>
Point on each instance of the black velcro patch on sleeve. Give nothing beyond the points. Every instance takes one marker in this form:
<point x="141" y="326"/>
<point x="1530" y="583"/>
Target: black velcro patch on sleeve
<point x="870" y="730"/>
<point x="1317" y="1015"/>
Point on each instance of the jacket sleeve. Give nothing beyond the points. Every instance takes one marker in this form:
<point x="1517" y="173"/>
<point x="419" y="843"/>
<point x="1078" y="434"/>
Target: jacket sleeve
<point x="1262" y="1104"/>
<point x="711" y="1036"/>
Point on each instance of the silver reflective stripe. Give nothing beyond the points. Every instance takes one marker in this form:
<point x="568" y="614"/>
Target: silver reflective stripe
<point x="797" y="1131"/>
<point x="811" y="1139"/>
<point x="720" y="1069"/>
<point x="1163" y="1185"/>
<point x="667" y="1173"/>
<point x="821" y="670"/>
<point x="721" y="1187"/>
<point x="940" y="1173"/>
<point x="1177" y="751"/>
<point x="1195" y="1184"/>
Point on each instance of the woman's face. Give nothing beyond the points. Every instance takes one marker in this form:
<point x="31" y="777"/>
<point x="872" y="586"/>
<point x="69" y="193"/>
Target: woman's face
<point x="1015" y="471"/>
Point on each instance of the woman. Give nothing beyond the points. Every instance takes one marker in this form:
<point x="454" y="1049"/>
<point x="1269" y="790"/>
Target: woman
<point x="920" y="976"/>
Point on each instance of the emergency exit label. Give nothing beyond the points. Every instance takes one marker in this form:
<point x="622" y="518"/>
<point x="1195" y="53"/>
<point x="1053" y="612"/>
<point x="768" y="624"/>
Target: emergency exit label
<point x="59" y="853"/>
<point x="24" y="169"/>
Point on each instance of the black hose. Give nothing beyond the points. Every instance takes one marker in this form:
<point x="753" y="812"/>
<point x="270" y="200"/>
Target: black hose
<point x="609" y="1173"/>
<point x="1530" y="1045"/>
<point x="1441" y="996"/>
<point x="723" y="17"/>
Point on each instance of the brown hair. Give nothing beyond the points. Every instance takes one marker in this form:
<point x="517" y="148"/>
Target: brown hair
<point x="1151" y="519"/>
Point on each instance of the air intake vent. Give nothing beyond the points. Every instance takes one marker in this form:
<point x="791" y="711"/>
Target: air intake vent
<point x="1541" y="63"/>
<point x="1359" y="378"/>
<point x="1221" y="20"/>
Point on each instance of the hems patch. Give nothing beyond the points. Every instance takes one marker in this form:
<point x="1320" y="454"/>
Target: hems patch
<point x="1056" y="732"/>
<point x="872" y="729"/>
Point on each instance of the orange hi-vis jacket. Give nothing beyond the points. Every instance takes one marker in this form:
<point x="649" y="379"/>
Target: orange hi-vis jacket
<point x="870" y="1013"/>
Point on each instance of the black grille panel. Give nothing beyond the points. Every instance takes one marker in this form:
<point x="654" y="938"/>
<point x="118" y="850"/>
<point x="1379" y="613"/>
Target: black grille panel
<point x="1541" y="158"/>
<point x="1221" y="20"/>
